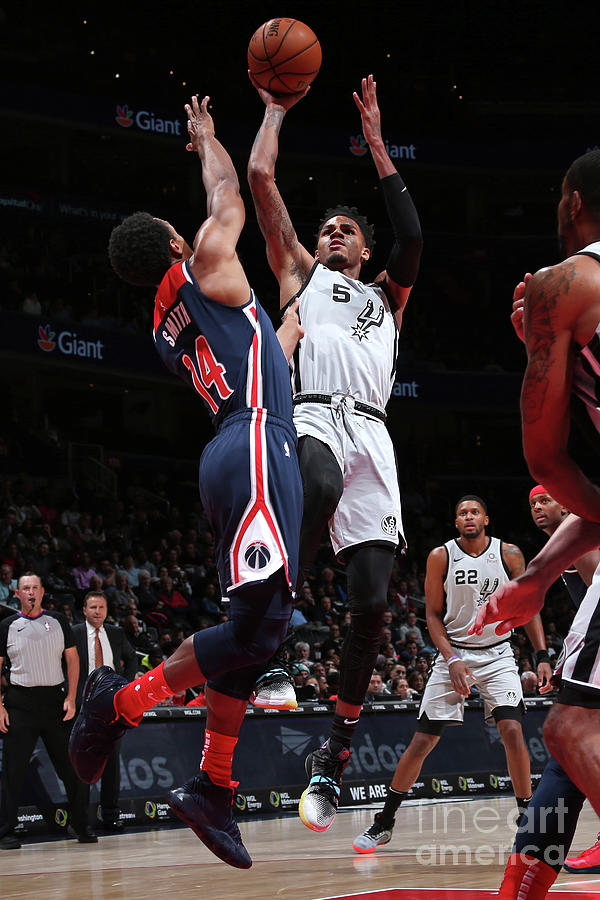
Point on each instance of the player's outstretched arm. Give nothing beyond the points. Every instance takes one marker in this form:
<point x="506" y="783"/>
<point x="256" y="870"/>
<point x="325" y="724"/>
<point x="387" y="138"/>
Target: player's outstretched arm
<point x="290" y="331"/>
<point x="288" y="259"/>
<point x="223" y="200"/>
<point x="215" y="263"/>
<point x="403" y="264"/>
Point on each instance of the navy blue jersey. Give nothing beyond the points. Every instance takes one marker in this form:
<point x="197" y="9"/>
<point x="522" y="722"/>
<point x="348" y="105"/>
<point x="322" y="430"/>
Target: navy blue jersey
<point x="250" y="482"/>
<point x="230" y="355"/>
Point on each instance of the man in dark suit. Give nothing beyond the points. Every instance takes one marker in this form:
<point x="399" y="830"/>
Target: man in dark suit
<point x="104" y="645"/>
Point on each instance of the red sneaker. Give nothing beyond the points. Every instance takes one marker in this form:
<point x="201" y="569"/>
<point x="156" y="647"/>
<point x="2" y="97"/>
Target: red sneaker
<point x="587" y="862"/>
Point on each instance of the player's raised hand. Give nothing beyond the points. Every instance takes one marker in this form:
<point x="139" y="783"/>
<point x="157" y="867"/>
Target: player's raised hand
<point x="513" y="604"/>
<point x="369" y="110"/>
<point x="285" y="101"/>
<point x="518" y="304"/>
<point x="200" y="124"/>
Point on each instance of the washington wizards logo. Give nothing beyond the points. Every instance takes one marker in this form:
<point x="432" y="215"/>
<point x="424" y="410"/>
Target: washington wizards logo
<point x="257" y="555"/>
<point x="366" y="320"/>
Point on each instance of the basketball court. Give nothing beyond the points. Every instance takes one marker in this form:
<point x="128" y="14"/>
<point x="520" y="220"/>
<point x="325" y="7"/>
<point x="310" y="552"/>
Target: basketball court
<point x="446" y="851"/>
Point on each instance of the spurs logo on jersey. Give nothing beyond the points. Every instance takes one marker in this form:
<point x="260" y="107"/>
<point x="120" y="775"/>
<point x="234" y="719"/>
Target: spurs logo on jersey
<point x="487" y="590"/>
<point x="350" y="338"/>
<point x="470" y="580"/>
<point x="367" y="320"/>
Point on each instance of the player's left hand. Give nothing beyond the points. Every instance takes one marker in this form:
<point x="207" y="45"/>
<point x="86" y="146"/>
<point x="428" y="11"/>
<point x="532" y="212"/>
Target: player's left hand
<point x="513" y="604"/>
<point x="69" y="709"/>
<point x="544" y="674"/>
<point x="369" y="110"/>
<point x="200" y="124"/>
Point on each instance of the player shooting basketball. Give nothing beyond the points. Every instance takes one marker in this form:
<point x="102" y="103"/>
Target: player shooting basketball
<point x="344" y="372"/>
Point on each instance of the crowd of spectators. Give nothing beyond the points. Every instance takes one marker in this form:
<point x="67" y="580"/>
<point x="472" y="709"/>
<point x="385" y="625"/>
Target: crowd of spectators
<point x="157" y="570"/>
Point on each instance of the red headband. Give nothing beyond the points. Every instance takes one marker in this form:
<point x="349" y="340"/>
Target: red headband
<point x="538" y="489"/>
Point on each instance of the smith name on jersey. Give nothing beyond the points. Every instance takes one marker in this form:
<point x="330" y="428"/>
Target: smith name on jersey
<point x="350" y="341"/>
<point x="230" y="355"/>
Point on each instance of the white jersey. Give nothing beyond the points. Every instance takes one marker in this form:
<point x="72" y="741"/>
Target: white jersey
<point x="470" y="580"/>
<point x="350" y="344"/>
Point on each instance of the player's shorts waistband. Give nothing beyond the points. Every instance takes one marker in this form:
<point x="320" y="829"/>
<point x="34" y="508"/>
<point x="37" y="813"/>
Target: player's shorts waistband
<point x="247" y="413"/>
<point x="359" y="406"/>
<point x="474" y="647"/>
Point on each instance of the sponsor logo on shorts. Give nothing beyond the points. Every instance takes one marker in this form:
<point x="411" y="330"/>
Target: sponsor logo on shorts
<point x="389" y="525"/>
<point x="511" y="697"/>
<point x="257" y="555"/>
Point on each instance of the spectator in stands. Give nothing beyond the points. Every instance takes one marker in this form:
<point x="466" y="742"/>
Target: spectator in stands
<point x="529" y="682"/>
<point x="377" y="689"/>
<point x="400" y="689"/>
<point x="8" y="586"/>
<point x="416" y="682"/>
<point x="411" y="628"/>
<point x="130" y="569"/>
<point x="83" y="572"/>
<point x="124" y="595"/>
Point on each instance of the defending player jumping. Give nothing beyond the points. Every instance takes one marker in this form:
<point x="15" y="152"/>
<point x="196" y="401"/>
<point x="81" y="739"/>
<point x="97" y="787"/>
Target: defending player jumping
<point x="344" y="372"/>
<point x="210" y="330"/>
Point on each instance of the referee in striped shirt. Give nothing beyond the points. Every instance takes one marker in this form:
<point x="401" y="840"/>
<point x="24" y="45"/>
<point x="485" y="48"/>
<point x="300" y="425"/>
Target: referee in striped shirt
<point x="34" y="642"/>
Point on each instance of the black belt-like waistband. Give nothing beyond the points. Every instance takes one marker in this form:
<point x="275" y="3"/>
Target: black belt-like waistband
<point x="478" y="646"/>
<point x="365" y="409"/>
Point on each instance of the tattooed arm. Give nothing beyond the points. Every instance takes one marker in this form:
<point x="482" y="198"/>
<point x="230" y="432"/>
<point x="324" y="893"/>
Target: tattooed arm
<point x="560" y="310"/>
<point x="288" y="259"/>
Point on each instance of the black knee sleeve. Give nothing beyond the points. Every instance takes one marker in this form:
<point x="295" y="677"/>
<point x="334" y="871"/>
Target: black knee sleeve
<point x="368" y="574"/>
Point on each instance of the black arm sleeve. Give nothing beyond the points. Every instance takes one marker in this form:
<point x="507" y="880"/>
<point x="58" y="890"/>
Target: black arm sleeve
<point x="403" y="262"/>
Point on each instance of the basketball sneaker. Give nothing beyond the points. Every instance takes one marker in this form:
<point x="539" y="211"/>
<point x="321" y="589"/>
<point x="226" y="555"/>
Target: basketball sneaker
<point x="97" y="728"/>
<point x="587" y="862"/>
<point x="205" y="807"/>
<point x="274" y="690"/>
<point x="374" y="836"/>
<point x="319" y="802"/>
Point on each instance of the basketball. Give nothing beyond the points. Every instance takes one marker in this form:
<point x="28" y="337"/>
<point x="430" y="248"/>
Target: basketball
<point x="284" y="56"/>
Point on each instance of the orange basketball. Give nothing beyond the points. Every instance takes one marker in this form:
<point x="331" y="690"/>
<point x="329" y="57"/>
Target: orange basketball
<point x="284" y="55"/>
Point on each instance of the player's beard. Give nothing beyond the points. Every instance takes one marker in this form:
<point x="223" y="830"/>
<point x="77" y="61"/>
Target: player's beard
<point x="336" y="260"/>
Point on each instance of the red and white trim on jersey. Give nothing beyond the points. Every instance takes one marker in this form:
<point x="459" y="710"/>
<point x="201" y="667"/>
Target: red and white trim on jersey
<point x="166" y="294"/>
<point x="254" y="378"/>
<point x="258" y="549"/>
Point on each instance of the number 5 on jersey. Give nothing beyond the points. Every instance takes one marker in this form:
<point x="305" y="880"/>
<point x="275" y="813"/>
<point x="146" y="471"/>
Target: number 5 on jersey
<point x="206" y="373"/>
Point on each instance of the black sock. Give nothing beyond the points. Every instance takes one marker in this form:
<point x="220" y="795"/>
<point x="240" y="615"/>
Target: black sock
<point x="342" y="732"/>
<point x="522" y="804"/>
<point x="392" y="802"/>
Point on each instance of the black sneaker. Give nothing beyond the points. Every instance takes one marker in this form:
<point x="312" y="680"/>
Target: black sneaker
<point x="97" y="727"/>
<point x="85" y="834"/>
<point x="8" y="840"/>
<point x="206" y="808"/>
<point x="319" y="802"/>
<point x="373" y="836"/>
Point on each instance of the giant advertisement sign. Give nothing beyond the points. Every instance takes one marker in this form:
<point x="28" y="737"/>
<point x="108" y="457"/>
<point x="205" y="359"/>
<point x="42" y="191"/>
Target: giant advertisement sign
<point x="269" y="762"/>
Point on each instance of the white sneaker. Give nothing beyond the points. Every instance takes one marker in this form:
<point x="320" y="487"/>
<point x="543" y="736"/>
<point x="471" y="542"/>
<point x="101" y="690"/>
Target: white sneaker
<point x="274" y="690"/>
<point x="373" y="836"/>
